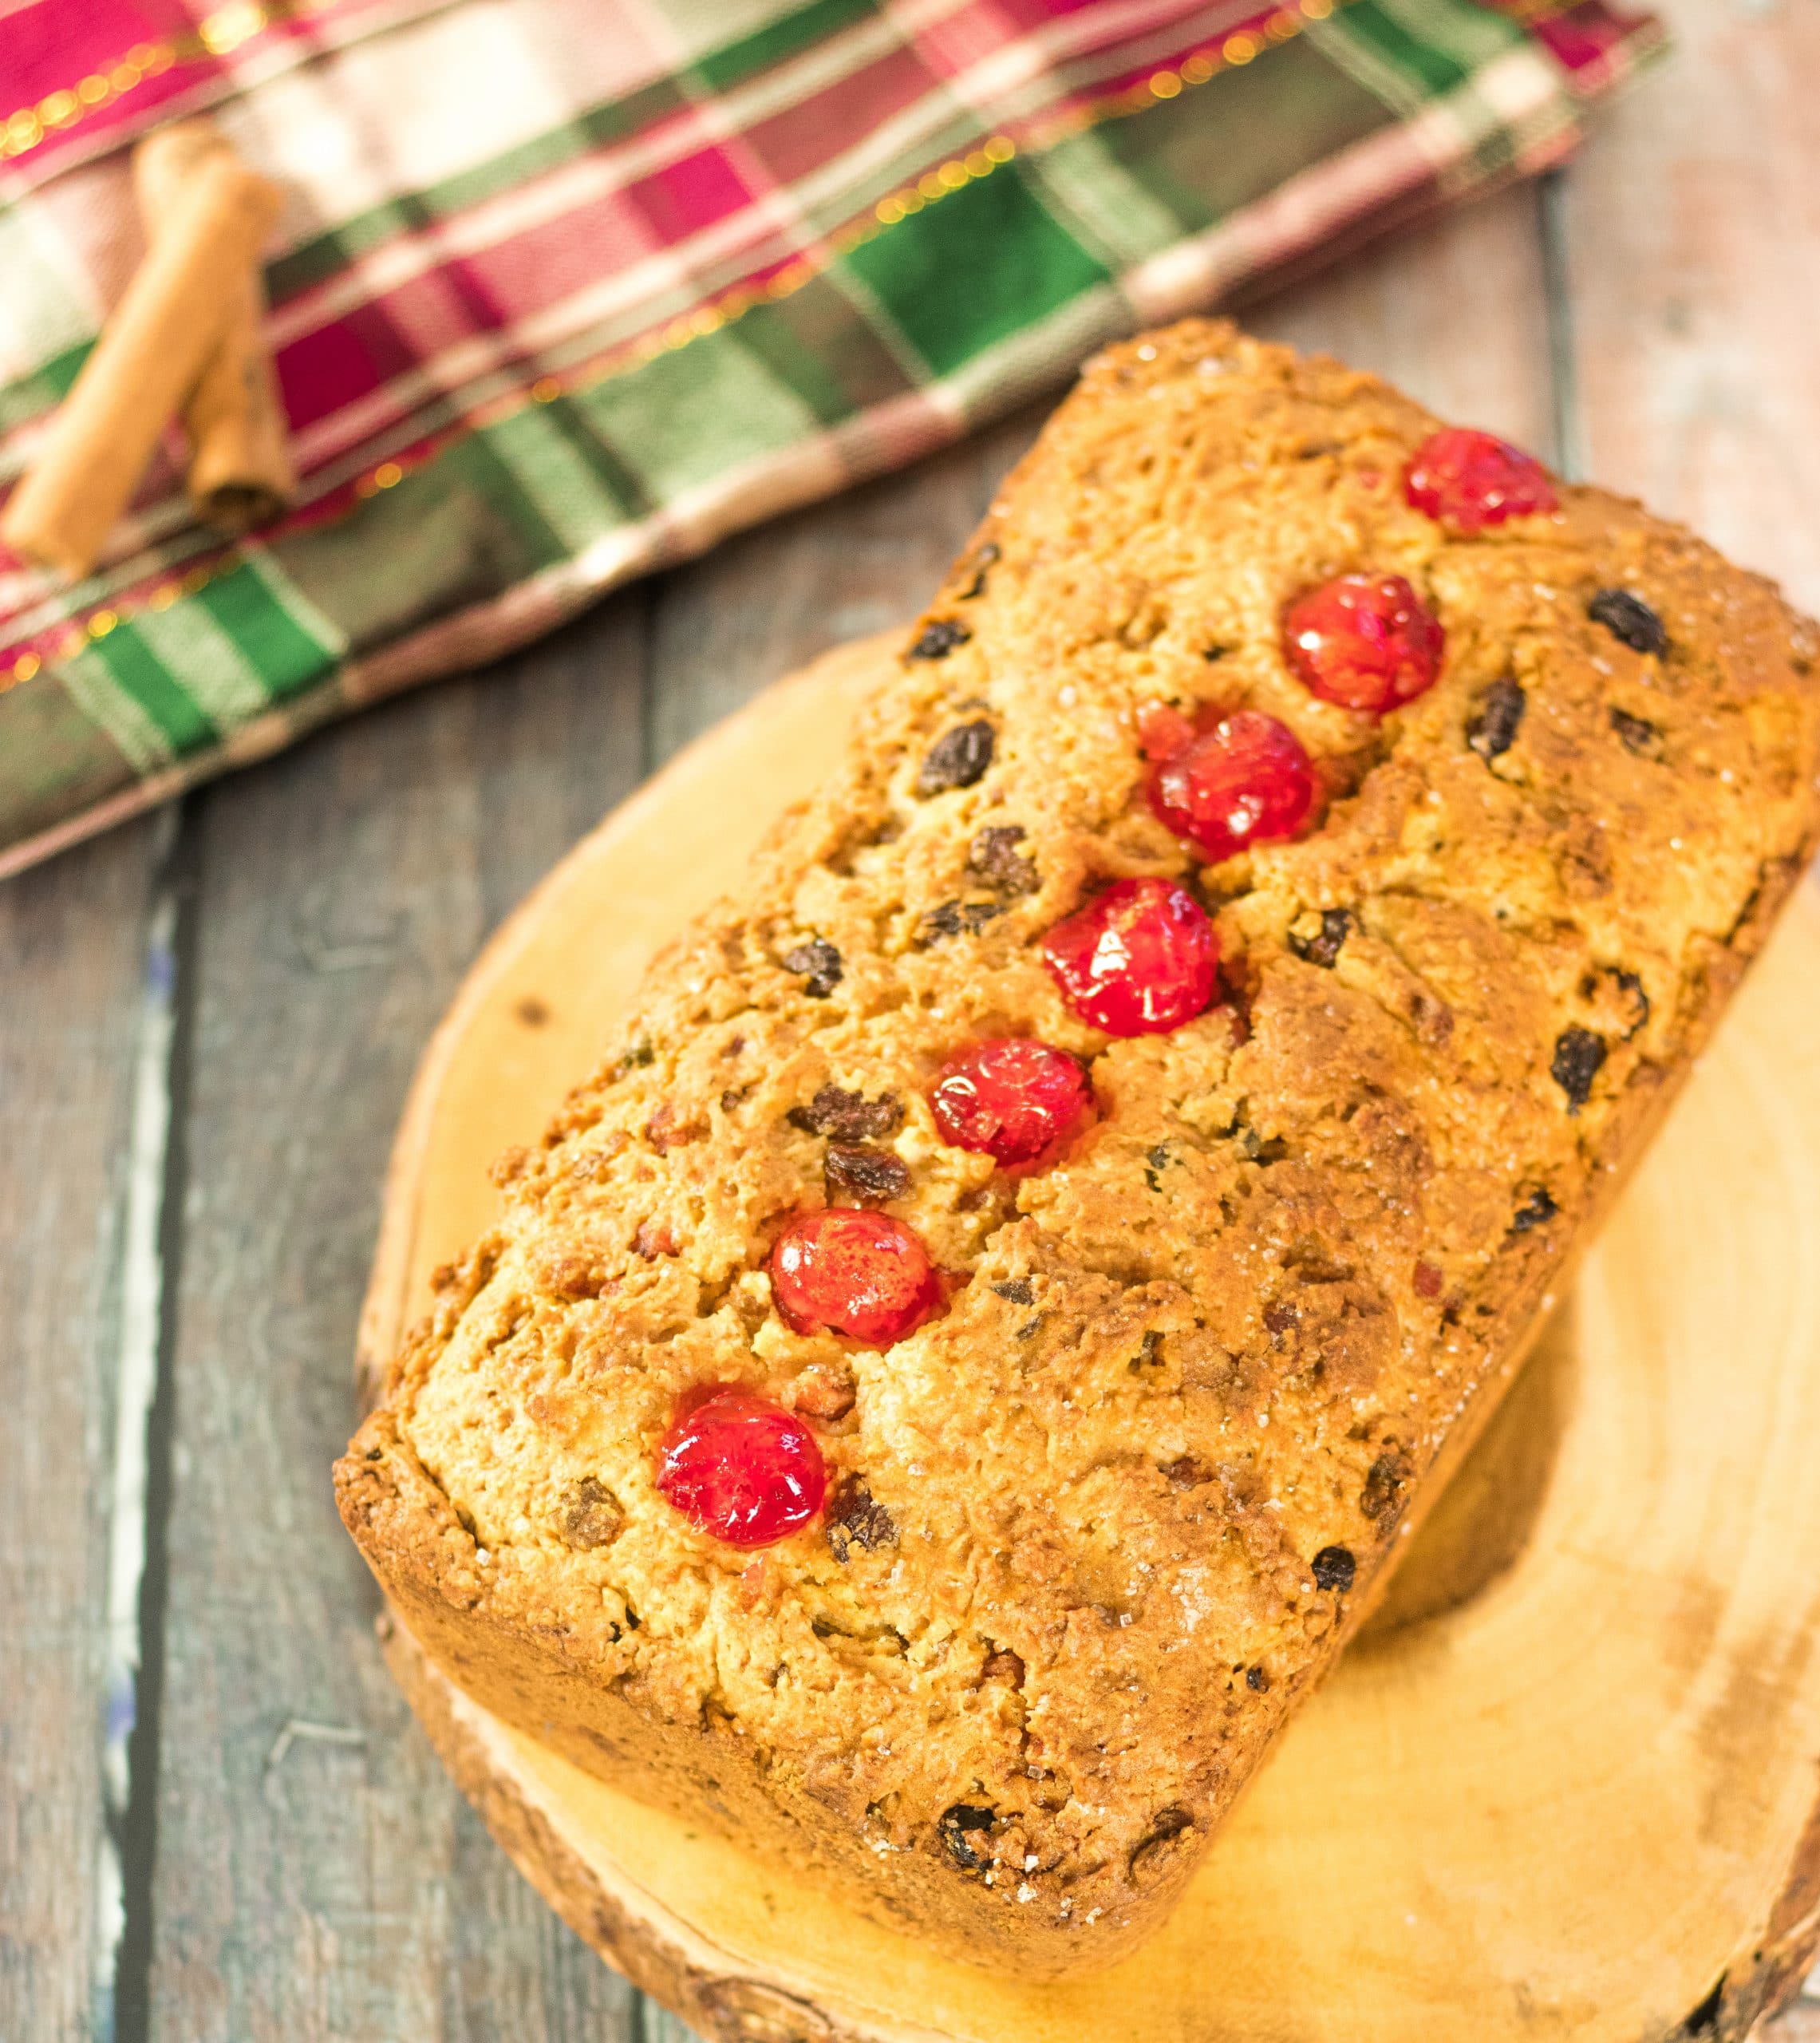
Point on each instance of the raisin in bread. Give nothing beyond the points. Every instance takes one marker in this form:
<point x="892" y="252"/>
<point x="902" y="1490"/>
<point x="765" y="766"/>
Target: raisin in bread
<point x="948" y="1469"/>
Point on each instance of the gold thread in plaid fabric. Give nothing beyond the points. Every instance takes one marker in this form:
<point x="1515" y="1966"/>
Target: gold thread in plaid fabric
<point x="218" y="34"/>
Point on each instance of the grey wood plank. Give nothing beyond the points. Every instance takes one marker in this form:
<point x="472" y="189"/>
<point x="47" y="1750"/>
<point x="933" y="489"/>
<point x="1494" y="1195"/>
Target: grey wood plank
<point x="1692" y="221"/>
<point x="317" y="1876"/>
<point x="660" y="2026"/>
<point x="73" y="939"/>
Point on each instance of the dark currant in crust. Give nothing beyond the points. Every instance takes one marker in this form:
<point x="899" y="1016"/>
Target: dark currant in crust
<point x="1333" y="1568"/>
<point x="1629" y="620"/>
<point x="1386" y="1479"/>
<point x="1492" y="728"/>
<point x="856" y="1521"/>
<point x="856" y="1171"/>
<point x="993" y="857"/>
<point x="956" y="759"/>
<point x="820" y="963"/>
<point x="1578" y="1056"/>
<point x="1323" y="947"/>
<point x="1638" y="734"/>
<point x="959" y="919"/>
<point x="850" y="1116"/>
<point x="960" y="1825"/>
<point x="938" y="640"/>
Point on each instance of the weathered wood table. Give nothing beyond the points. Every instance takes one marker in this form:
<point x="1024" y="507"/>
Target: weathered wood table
<point x="210" y="1019"/>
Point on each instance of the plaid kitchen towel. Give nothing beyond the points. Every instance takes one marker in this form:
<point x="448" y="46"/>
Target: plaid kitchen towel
<point x="565" y="290"/>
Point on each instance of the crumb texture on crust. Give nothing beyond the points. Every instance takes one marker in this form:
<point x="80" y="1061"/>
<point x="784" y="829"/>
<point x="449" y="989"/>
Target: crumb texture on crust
<point x="1094" y="1531"/>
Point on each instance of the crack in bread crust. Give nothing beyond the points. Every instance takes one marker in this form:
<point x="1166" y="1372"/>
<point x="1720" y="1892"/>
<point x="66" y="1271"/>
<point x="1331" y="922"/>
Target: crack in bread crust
<point x="1300" y="1243"/>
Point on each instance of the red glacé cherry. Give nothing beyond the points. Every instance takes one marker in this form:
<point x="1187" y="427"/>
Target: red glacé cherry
<point x="1246" y="780"/>
<point x="1471" y="481"/>
<point x="1365" y="642"/>
<point x="847" y="1269"/>
<point x="1011" y="1100"/>
<point x="1139" y="961"/>
<point x="743" y="1469"/>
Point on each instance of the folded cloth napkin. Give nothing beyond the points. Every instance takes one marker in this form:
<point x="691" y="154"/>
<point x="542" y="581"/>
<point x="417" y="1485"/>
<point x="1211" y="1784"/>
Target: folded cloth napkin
<point x="565" y="289"/>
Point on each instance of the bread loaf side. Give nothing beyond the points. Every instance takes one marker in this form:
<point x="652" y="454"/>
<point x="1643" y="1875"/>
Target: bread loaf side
<point x="1096" y="1528"/>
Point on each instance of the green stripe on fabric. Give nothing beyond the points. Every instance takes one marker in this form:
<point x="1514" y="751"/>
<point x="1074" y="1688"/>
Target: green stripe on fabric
<point x="630" y="498"/>
<point x="49" y="303"/>
<point x="44" y="389"/>
<point x="1367" y="24"/>
<point x="471" y="464"/>
<point x="821" y="344"/>
<point x="1110" y="203"/>
<point x="1197" y="159"/>
<point x="140" y="675"/>
<point x="115" y="711"/>
<point x="551" y="467"/>
<point x="757" y="52"/>
<point x="219" y="677"/>
<point x="973" y="268"/>
<point x="686" y="418"/>
<point x="282" y="654"/>
<point x="1471" y="34"/>
<point x="456" y="533"/>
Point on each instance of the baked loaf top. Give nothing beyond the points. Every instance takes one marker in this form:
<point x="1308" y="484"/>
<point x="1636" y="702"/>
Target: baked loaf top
<point x="1095" y="1527"/>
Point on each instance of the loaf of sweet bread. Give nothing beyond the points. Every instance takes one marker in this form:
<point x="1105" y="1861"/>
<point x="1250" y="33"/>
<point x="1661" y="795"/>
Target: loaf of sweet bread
<point x="940" y="1395"/>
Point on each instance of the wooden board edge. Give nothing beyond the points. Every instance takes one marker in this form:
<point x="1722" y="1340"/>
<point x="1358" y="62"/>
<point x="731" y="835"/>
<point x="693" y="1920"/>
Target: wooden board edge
<point x="1779" y="1969"/>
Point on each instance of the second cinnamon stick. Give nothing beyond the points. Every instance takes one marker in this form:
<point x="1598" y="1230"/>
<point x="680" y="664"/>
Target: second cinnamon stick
<point x="240" y="472"/>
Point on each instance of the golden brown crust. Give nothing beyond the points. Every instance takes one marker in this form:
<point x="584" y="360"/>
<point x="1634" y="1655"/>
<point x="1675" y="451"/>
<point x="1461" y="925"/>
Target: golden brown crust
<point x="1290" y="1264"/>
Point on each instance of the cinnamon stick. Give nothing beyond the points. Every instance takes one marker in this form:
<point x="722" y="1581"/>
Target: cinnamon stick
<point x="149" y="357"/>
<point x="240" y="472"/>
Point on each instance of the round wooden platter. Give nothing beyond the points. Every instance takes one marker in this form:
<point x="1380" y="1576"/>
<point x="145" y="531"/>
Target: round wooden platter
<point x="1567" y="1784"/>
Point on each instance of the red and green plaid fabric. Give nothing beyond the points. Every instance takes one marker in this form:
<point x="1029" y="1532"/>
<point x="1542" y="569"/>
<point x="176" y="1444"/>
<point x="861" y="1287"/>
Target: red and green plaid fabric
<point x="565" y="289"/>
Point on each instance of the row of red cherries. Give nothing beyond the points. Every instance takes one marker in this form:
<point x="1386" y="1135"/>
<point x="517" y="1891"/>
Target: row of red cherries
<point x="1141" y="959"/>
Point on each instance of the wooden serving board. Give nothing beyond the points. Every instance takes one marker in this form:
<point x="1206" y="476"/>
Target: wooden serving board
<point x="1568" y="1782"/>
